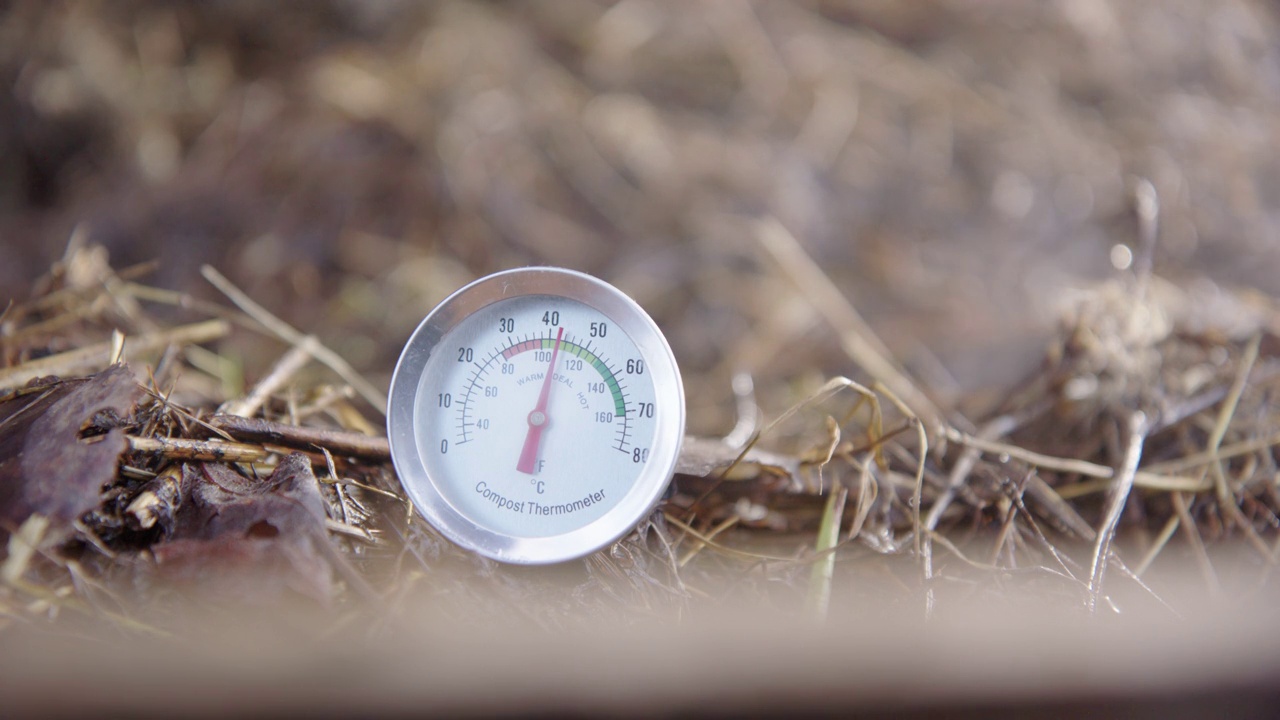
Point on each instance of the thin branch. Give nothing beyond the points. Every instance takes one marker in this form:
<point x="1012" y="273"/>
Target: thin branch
<point x="285" y="368"/>
<point x="1166" y="533"/>
<point x="1192" y="532"/>
<point x="1122" y="485"/>
<point x="202" y="450"/>
<point x="291" y="335"/>
<point x="339" y="442"/>
<point x="1226" y="497"/>
<point x="95" y="357"/>
<point x="856" y="336"/>
<point x="1143" y="479"/>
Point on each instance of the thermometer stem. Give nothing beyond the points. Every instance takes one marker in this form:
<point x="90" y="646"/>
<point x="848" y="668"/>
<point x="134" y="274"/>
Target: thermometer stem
<point x="538" y="419"/>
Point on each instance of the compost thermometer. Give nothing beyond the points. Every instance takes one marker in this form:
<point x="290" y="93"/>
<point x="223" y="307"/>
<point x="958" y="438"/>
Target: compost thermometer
<point x="535" y="415"/>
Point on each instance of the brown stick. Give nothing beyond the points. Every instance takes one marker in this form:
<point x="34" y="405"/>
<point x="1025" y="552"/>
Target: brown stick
<point x="337" y="442"/>
<point x="202" y="450"/>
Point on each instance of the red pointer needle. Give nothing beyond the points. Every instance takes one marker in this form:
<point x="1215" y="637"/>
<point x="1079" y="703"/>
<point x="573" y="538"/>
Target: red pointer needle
<point x="538" y="418"/>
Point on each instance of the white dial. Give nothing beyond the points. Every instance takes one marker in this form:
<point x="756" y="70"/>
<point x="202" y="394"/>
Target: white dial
<point x="536" y="415"/>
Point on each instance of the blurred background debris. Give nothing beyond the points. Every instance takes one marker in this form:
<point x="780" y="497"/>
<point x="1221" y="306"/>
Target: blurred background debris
<point x="956" y="168"/>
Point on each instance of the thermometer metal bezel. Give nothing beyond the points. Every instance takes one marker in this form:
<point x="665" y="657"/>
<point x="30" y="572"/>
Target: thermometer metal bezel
<point x="647" y="488"/>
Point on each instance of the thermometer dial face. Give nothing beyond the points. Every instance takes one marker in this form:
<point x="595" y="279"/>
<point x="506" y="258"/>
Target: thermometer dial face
<point x="536" y="415"/>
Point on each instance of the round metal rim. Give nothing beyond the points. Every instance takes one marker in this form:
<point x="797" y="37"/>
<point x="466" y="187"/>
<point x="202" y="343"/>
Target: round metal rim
<point x="644" y="493"/>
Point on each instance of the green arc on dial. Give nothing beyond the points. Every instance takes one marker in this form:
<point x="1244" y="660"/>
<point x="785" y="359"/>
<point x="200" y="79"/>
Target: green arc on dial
<point x="576" y="350"/>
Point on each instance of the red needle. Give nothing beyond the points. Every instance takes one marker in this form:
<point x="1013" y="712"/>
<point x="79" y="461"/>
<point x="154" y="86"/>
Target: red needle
<point x="538" y="419"/>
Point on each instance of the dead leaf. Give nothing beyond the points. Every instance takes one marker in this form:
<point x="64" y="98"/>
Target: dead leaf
<point x="247" y="539"/>
<point x="46" y="467"/>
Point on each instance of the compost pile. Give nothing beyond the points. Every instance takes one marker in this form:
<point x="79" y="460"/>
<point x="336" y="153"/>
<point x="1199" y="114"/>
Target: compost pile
<point x="950" y="324"/>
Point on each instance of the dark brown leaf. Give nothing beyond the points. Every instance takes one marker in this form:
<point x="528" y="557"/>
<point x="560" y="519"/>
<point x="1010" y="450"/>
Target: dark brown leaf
<point x="248" y="539"/>
<point x="46" y="467"/>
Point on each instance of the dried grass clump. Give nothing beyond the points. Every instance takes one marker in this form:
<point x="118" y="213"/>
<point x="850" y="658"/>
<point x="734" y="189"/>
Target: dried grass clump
<point x="1138" y="426"/>
<point x="1142" y="399"/>
<point x="894" y="195"/>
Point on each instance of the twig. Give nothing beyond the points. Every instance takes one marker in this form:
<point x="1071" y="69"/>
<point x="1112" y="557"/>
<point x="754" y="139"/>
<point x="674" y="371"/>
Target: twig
<point x="856" y="336"/>
<point x="345" y="528"/>
<point x="1006" y="542"/>
<point x="1192" y="532"/>
<point x="829" y="388"/>
<point x="160" y="296"/>
<point x="1048" y="500"/>
<point x="95" y="357"/>
<point x="704" y="457"/>
<point x="950" y="546"/>
<point x="868" y="491"/>
<point x="289" y="334"/>
<point x="996" y="427"/>
<point x="1042" y="539"/>
<point x="1226" y="498"/>
<point x="1224" y="452"/>
<point x="699" y="542"/>
<point x="1143" y="479"/>
<point x="1123" y="484"/>
<point x="1170" y="527"/>
<point x="201" y="450"/>
<point x="328" y="395"/>
<point x="183" y="413"/>
<point x="284" y="369"/>
<point x="339" y="442"/>
<point x="367" y="488"/>
<point x="917" y="495"/>
<point x="688" y="529"/>
<point x="974" y="446"/>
